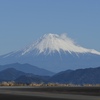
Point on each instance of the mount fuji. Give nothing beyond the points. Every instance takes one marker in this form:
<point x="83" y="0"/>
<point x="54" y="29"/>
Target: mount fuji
<point x="55" y="53"/>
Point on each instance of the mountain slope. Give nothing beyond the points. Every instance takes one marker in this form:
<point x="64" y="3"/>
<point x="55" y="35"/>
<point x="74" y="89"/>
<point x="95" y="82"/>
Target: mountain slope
<point x="27" y="79"/>
<point x="51" y="43"/>
<point x="79" y="76"/>
<point x="55" y="53"/>
<point x="11" y="74"/>
<point x="27" y="68"/>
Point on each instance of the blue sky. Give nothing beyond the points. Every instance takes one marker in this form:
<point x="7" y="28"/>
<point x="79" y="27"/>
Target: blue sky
<point x="23" y="21"/>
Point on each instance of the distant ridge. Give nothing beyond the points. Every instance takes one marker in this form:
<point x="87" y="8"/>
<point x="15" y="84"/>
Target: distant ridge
<point x="79" y="76"/>
<point x="10" y="74"/>
<point x="27" y="68"/>
<point x="13" y="75"/>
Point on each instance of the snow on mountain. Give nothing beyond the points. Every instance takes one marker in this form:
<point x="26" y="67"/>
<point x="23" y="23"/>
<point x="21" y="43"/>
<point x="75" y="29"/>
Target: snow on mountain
<point x="54" y="53"/>
<point x="51" y="43"/>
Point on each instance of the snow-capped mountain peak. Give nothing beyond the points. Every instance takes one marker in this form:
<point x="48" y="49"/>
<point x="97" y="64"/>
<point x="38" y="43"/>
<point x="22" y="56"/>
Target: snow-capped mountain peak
<point x="51" y="43"/>
<point x="55" y="53"/>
